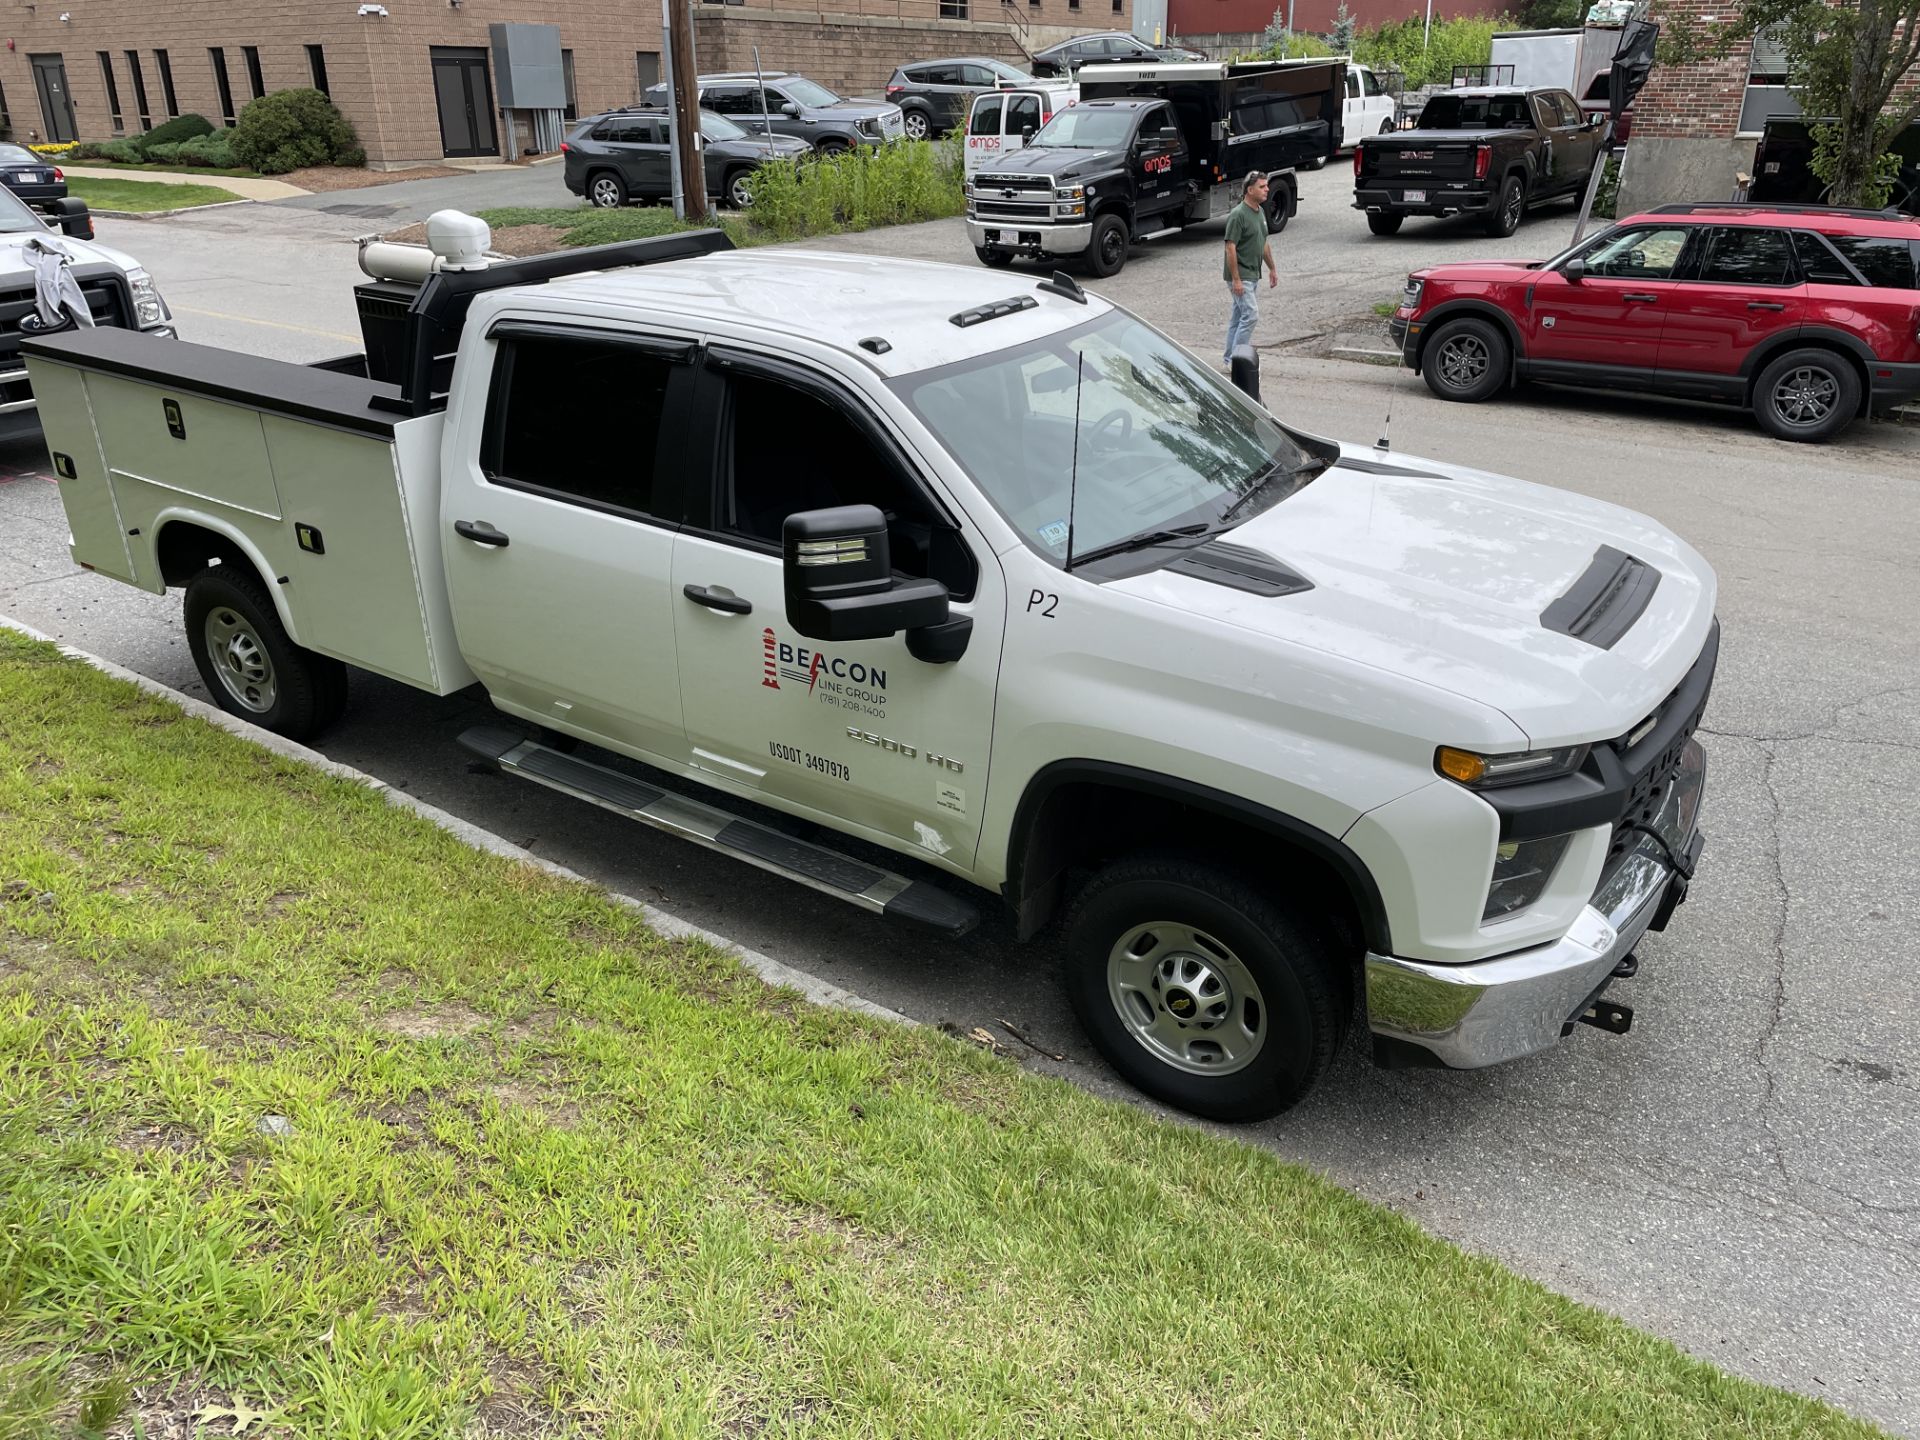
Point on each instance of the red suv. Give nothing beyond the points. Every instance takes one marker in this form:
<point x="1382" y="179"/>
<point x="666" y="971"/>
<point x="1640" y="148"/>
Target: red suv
<point x="1808" y="315"/>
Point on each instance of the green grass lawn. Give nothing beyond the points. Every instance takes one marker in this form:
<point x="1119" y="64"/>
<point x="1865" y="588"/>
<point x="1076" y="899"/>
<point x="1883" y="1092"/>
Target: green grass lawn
<point x="144" y="194"/>
<point x="307" y="1109"/>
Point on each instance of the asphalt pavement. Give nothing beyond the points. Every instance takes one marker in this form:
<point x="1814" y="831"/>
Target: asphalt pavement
<point x="1741" y="1173"/>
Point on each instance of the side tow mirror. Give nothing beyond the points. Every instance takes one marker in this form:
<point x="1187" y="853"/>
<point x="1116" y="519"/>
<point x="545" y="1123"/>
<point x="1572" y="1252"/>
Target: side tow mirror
<point x="1575" y="270"/>
<point x="1027" y="133"/>
<point x="72" y="217"/>
<point x="840" y="583"/>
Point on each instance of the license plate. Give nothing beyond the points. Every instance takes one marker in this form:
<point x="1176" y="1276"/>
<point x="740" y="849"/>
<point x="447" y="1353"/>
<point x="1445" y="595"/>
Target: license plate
<point x="1415" y="197"/>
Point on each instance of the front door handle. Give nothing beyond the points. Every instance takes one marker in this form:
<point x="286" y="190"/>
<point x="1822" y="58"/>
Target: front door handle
<point x="1641" y="296"/>
<point x="713" y="600"/>
<point x="1765" y="305"/>
<point x="480" y="532"/>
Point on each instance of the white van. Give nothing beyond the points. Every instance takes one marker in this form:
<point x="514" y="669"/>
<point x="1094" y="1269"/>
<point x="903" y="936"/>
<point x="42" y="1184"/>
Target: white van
<point x="999" y="120"/>
<point x="1369" y="110"/>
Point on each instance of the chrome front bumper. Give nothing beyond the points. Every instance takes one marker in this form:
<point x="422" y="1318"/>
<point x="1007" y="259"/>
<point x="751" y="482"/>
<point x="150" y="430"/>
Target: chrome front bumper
<point x="1500" y="1009"/>
<point x="1049" y="239"/>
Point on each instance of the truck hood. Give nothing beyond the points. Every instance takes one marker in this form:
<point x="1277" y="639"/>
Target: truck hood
<point x="1439" y="574"/>
<point x="1481" y="271"/>
<point x="1060" y="163"/>
<point x="13" y="254"/>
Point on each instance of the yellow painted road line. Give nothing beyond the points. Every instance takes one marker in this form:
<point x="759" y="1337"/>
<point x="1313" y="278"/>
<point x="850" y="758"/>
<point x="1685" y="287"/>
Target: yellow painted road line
<point x="253" y="320"/>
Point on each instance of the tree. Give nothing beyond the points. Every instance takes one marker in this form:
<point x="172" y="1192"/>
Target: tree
<point x="1844" y="62"/>
<point x="1341" y="36"/>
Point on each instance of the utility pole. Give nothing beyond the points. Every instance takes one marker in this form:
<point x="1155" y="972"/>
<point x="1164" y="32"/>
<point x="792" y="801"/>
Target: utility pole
<point x="684" y="92"/>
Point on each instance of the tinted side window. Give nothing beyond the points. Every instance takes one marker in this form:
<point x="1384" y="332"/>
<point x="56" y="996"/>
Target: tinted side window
<point x="975" y="75"/>
<point x="1885" y="260"/>
<point x="1023" y="111"/>
<point x="939" y="75"/>
<point x="1353" y="86"/>
<point x="1374" y="87"/>
<point x="534" y="439"/>
<point x="1738" y="255"/>
<point x="1818" y="263"/>
<point x="986" y="118"/>
<point x="731" y="100"/>
<point x="1569" y="111"/>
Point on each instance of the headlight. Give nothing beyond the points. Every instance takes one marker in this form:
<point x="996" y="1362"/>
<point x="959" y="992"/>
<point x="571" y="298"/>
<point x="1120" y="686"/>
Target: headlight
<point x="1483" y="772"/>
<point x="148" y="308"/>
<point x="870" y="126"/>
<point x="1410" y="296"/>
<point x="1521" y="870"/>
<point x="1069" y="192"/>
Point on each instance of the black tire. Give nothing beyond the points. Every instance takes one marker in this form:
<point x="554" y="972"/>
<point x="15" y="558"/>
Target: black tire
<point x="1267" y="981"/>
<point x="1504" y="218"/>
<point x="916" y="118"/>
<point x="1387" y="126"/>
<point x="830" y="148"/>
<point x="1466" y="360"/>
<point x="249" y="664"/>
<point x="993" y="259"/>
<point x="1280" y="207"/>
<point x="606" y="190"/>
<point x="736" y="187"/>
<point x="1808" y="394"/>
<point x="1384" y="222"/>
<point x="1107" y="249"/>
<point x="1319" y="162"/>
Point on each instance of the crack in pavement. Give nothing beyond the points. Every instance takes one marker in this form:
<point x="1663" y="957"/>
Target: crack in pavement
<point x="1763" y="1047"/>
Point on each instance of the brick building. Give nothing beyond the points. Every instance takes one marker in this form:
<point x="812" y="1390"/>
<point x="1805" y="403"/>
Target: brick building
<point x="1696" y="125"/>
<point x="418" y="78"/>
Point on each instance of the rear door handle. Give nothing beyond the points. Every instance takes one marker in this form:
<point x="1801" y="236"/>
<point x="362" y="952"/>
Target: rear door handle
<point x="732" y="604"/>
<point x="1640" y="296"/>
<point x="479" y="532"/>
<point x="1765" y="305"/>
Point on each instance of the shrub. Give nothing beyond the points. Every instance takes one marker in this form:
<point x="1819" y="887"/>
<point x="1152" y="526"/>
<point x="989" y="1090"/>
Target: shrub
<point x="897" y="184"/>
<point x="172" y="132"/>
<point x="213" y="151"/>
<point x="122" y="151"/>
<point x="1401" y="45"/>
<point x="293" y="128"/>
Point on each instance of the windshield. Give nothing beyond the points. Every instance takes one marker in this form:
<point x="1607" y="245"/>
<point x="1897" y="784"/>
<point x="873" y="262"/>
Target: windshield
<point x="805" y="92"/>
<point x="1085" y="128"/>
<point x="15" y="217"/>
<point x="718" y="127"/>
<point x="1162" y="441"/>
<point x="1476" y="112"/>
<point x="18" y="155"/>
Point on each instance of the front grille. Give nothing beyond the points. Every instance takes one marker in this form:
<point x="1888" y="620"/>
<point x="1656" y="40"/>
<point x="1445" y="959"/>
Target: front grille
<point x="1013" y="199"/>
<point x="1042" y="183"/>
<point x="107" y="299"/>
<point x="1644" y="796"/>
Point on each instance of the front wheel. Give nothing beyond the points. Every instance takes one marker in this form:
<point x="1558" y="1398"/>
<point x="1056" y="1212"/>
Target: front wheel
<point x="916" y="125"/>
<point x="1807" y="395"/>
<point x="993" y="259"/>
<point x="1381" y="223"/>
<point x="249" y="663"/>
<point x="739" y="189"/>
<point x="1108" y="250"/>
<point x="606" y="191"/>
<point x="1504" y="218"/>
<point x="1466" y="360"/>
<point x="1202" y="990"/>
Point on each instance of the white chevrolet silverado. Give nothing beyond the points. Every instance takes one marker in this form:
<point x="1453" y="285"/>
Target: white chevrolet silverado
<point x="981" y="571"/>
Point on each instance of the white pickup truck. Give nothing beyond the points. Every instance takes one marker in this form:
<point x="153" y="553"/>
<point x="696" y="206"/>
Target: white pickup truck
<point x="981" y="571"/>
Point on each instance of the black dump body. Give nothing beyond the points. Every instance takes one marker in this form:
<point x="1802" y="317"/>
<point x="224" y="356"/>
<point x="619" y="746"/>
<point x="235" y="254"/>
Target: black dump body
<point x="1783" y="166"/>
<point x="1259" y="115"/>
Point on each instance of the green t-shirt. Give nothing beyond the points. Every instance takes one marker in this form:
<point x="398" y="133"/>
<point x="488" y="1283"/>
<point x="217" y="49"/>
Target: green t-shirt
<point x="1247" y="233"/>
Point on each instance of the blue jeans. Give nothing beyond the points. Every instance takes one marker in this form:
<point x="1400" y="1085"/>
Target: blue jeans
<point x="1246" y="310"/>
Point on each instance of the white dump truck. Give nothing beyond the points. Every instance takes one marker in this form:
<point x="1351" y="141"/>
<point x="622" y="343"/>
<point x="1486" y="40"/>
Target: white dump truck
<point x="978" y="569"/>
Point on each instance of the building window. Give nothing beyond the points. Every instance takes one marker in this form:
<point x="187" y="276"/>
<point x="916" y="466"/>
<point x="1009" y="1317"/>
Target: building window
<point x="222" y="83"/>
<point x="139" y="90"/>
<point x="317" y="63"/>
<point x="1767" y="93"/>
<point x="113" y="92"/>
<point x="1119" y="7"/>
<point x="166" y="84"/>
<point x="953" y="9"/>
<point x="572" y="111"/>
<point x="647" y="63"/>
<point x="254" y="79"/>
<point x="6" y="120"/>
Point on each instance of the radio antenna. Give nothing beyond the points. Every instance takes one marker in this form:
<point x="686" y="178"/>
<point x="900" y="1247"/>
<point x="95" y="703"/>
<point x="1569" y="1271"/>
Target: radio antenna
<point x="1073" y="473"/>
<point x="1386" y="430"/>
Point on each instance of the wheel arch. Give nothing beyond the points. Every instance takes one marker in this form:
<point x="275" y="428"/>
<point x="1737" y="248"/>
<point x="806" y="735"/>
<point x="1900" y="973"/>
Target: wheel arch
<point x="1469" y="310"/>
<point x="1812" y="337"/>
<point x="1070" y="808"/>
<point x="184" y="544"/>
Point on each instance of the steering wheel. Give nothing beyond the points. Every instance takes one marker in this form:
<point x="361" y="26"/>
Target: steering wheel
<point x="1120" y="421"/>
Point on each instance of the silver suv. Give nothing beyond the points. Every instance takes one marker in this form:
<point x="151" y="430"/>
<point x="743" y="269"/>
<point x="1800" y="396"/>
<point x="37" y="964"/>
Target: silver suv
<point x="794" y="105"/>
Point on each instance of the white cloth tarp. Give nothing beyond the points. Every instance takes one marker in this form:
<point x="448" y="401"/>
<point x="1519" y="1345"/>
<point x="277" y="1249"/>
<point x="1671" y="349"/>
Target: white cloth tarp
<point x="57" y="295"/>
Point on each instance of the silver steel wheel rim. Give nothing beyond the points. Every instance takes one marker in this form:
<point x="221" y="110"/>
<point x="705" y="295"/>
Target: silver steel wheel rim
<point x="1510" y="214"/>
<point x="740" y="192"/>
<point x="1806" y="396"/>
<point x="916" y="126"/>
<point x="1186" y="998"/>
<point x="1463" y="361"/>
<point x="606" y="194"/>
<point x="240" y="659"/>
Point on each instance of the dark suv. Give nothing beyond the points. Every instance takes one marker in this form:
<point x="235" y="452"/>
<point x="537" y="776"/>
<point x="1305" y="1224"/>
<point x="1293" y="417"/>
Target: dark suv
<point x="623" y="155"/>
<point x="933" y="95"/>
<point x="1808" y="315"/>
<point x="798" y="107"/>
<point x="1105" y="48"/>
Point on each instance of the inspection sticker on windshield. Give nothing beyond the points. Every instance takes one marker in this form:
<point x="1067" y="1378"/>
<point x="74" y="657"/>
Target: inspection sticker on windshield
<point x="1054" y="533"/>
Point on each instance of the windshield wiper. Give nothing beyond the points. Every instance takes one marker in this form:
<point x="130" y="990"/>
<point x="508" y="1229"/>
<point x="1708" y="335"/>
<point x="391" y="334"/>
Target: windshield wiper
<point x="1272" y="473"/>
<point x="1142" y="541"/>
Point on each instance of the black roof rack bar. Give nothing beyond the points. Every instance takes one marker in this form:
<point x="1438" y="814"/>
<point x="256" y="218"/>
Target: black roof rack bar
<point x="1693" y="206"/>
<point x="439" y="311"/>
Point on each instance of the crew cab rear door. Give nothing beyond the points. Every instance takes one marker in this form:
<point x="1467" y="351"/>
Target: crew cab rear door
<point x="862" y="735"/>
<point x="1159" y="162"/>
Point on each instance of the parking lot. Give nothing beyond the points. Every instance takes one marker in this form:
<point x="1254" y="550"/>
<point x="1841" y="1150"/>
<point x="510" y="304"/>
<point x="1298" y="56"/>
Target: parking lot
<point x="1741" y="1173"/>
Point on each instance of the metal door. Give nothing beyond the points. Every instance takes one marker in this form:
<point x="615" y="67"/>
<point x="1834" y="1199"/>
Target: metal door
<point x="56" y="104"/>
<point x="463" y="95"/>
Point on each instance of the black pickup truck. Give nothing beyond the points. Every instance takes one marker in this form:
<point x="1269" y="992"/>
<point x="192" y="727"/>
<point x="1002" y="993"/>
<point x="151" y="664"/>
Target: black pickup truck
<point x="1486" y="152"/>
<point x="1783" y="166"/>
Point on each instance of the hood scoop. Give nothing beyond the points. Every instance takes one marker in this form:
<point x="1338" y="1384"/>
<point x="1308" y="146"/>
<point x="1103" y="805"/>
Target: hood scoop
<point x="1604" y="601"/>
<point x="1239" y="568"/>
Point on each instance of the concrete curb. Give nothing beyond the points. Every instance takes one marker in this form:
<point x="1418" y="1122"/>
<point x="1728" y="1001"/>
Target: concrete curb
<point x="163" y="214"/>
<point x="812" y="987"/>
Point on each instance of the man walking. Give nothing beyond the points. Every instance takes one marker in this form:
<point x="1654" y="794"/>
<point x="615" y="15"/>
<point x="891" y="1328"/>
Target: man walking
<point x="1247" y="247"/>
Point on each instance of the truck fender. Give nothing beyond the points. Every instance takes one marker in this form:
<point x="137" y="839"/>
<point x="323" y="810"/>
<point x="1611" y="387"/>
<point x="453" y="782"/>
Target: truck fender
<point x="1820" y="337"/>
<point x="224" y="536"/>
<point x="1479" y="310"/>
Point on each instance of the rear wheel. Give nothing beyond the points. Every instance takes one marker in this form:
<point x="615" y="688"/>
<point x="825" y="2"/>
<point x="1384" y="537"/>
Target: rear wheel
<point x="1280" y="207"/>
<point x="993" y="259"/>
<point x="606" y="190"/>
<point x="1384" y="222"/>
<point x="1807" y="395"/>
<point x="1504" y="218"/>
<point x="1108" y="250"/>
<point x="250" y="665"/>
<point x="1466" y="360"/>
<point x="1202" y="989"/>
